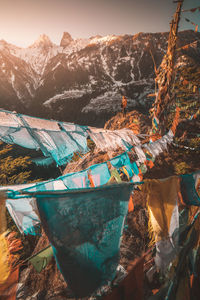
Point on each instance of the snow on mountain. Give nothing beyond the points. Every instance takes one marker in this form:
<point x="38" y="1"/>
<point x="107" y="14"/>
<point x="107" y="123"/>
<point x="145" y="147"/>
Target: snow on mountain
<point x="38" y="54"/>
<point x="42" y="50"/>
<point x="7" y="47"/>
<point x="103" y="40"/>
<point x="83" y="80"/>
<point x="71" y="94"/>
<point x="17" y="84"/>
<point x="42" y="42"/>
<point x="76" y="45"/>
<point x="110" y="100"/>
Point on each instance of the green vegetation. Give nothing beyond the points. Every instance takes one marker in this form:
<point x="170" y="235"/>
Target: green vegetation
<point x="16" y="170"/>
<point x="181" y="168"/>
<point x="13" y="170"/>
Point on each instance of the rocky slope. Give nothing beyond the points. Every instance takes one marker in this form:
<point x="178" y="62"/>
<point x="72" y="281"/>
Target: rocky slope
<point x="83" y="80"/>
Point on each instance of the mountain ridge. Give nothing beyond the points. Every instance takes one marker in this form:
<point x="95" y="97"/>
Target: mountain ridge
<point x="82" y="80"/>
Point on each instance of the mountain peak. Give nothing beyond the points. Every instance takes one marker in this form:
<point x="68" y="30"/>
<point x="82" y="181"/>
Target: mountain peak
<point x="42" y="41"/>
<point x="2" y="41"/>
<point x="4" y="45"/>
<point x="66" y="39"/>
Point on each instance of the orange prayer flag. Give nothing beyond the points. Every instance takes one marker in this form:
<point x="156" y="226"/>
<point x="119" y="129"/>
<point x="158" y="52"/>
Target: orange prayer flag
<point x="132" y="286"/>
<point x="124" y="101"/>
<point x="130" y="204"/>
<point x="135" y="128"/>
<point x="154" y="291"/>
<point x="3" y="221"/>
<point x="91" y="179"/>
<point x="185" y="47"/>
<point x="191" y="279"/>
<point x="140" y="174"/>
<point x="176" y="120"/>
<point x="151" y="95"/>
<point x="150" y="164"/>
<point x="155" y="137"/>
<point x="185" y="82"/>
<point x="8" y="290"/>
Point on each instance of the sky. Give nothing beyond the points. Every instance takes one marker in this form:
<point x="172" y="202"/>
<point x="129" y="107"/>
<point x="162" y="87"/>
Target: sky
<point x="22" y="21"/>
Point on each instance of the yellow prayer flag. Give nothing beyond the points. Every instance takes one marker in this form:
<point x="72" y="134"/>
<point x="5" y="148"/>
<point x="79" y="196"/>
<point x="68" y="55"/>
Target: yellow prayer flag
<point x="162" y="204"/>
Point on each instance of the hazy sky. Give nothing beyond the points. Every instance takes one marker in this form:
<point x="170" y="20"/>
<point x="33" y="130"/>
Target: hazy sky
<point x="22" y="21"/>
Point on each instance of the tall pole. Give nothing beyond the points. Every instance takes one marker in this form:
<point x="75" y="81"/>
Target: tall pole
<point x="165" y="75"/>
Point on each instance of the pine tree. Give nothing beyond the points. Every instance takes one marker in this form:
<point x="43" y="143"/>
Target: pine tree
<point x="13" y="170"/>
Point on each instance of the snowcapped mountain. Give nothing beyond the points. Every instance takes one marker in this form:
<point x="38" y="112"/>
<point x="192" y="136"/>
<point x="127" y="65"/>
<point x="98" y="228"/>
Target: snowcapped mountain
<point x="38" y="54"/>
<point x="83" y="80"/>
<point x="18" y="81"/>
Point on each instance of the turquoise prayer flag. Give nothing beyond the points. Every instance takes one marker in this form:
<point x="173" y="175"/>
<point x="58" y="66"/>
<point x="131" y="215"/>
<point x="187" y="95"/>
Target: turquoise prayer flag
<point x="84" y="227"/>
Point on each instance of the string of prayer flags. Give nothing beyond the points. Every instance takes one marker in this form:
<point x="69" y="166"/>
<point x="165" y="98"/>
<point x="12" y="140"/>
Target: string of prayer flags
<point x="194" y="116"/>
<point x="122" y="162"/>
<point x="160" y="145"/>
<point x="155" y="123"/>
<point x="59" y="140"/>
<point x="86" y="253"/>
<point x="196" y="25"/>
<point x="23" y="209"/>
<point x="187" y="46"/>
<point x="113" y="139"/>
<point x="140" y="154"/>
<point x="186" y="106"/>
<point x="192" y="9"/>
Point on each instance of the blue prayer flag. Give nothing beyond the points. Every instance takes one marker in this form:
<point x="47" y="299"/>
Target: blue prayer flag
<point x="188" y="190"/>
<point x="100" y="174"/>
<point x="120" y="161"/>
<point x="24" y="213"/>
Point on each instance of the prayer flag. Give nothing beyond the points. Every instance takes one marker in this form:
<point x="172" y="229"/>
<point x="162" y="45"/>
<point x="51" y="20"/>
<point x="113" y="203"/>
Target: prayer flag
<point x="188" y="189"/>
<point x="41" y="259"/>
<point x="84" y="228"/>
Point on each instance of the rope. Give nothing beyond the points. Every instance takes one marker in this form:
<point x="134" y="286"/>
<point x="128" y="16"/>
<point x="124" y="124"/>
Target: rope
<point x="185" y="147"/>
